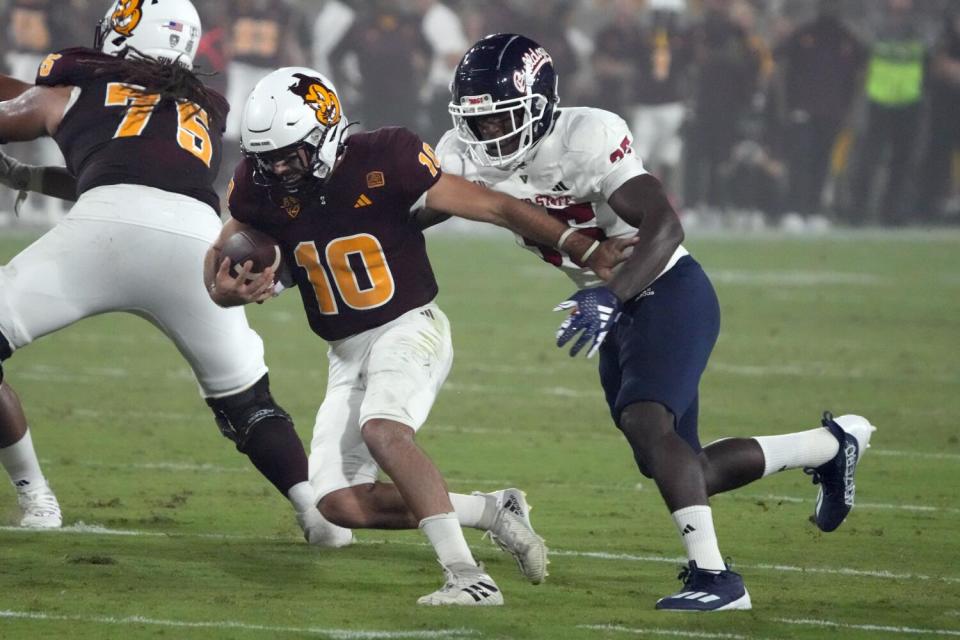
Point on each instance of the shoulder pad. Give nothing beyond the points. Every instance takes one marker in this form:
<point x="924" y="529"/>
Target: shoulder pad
<point x="592" y="130"/>
<point x="73" y="67"/>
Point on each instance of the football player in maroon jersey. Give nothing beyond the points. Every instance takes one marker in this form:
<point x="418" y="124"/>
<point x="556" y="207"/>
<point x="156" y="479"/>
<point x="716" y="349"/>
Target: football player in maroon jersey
<point x="340" y="209"/>
<point x="141" y="136"/>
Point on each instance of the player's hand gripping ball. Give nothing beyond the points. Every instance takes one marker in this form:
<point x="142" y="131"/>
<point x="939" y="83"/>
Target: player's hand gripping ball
<point x="254" y="246"/>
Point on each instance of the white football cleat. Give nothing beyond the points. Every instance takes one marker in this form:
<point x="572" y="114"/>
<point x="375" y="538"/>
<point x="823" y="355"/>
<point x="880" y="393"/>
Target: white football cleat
<point x="320" y="532"/>
<point x="465" y="585"/>
<point x="513" y="533"/>
<point x="40" y="508"/>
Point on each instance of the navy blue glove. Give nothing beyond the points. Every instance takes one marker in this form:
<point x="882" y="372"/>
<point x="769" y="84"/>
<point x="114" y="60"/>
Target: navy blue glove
<point x="595" y="311"/>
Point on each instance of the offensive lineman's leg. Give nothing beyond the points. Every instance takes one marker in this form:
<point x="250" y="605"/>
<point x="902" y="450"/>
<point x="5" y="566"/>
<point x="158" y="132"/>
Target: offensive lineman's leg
<point x="226" y="355"/>
<point x="42" y="289"/>
<point x="37" y="502"/>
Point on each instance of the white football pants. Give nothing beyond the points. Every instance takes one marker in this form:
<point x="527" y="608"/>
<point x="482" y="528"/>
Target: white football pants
<point x="140" y="250"/>
<point x="392" y="372"/>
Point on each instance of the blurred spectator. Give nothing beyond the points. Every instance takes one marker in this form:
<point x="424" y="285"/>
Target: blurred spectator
<point x="819" y="65"/>
<point x="727" y="69"/>
<point x="329" y="28"/>
<point x="663" y="62"/>
<point x="211" y="55"/>
<point x="264" y="35"/>
<point x="35" y="28"/>
<point x="753" y="182"/>
<point x="944" y="136"/>
<point x="80" y="25"/>
<point x="443" y="31"/>
<point x="894" y="90"/>
<point x="392" y="58"/>
<point x="614" y="60"/>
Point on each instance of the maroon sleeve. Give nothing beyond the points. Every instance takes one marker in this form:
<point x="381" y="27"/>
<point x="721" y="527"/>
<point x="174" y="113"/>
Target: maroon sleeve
<point x="244" y="198"/>
<point x="415" y="164"/>
<point x="69" y="67"/>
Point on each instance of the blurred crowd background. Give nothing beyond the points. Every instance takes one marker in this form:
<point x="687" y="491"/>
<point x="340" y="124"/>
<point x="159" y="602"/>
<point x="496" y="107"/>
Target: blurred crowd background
<point x="790" y="114"/>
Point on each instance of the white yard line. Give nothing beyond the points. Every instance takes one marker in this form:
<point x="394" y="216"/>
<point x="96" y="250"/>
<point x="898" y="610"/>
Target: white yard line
<point x="337" y="634"/>
<point x="94" y="529"/>
<point x="673" y="633"/>
<point x="842" y="571"/>
<point x="869" y="627"/>
<point x="494" y="482"/>
<point x="795" y="278"/>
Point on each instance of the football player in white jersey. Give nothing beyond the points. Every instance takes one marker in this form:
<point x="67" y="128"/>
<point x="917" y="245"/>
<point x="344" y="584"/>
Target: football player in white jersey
<point x="654" y="322"/>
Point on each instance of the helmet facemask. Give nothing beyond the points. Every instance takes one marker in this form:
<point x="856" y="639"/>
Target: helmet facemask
<point x="518" y="116"/>
<point x="290" y="167"/>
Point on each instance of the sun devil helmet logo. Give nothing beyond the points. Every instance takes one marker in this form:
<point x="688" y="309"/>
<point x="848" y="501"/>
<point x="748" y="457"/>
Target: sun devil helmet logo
<point x="318" y="97"/>
<point x="533" y="61"/>
<point x="126" y="16"/>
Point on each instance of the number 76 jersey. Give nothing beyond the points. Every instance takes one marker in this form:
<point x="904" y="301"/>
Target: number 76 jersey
<point x="114" y="133"/>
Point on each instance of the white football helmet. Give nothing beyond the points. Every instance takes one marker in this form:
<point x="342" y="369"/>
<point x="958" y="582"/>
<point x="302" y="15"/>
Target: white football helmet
<point x="164" y="29"/>
<point x="293" y="110"/>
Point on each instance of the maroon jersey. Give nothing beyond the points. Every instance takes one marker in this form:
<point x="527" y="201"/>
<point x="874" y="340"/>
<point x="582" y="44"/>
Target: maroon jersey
<point x="354" y="252"/>
<point x="115" y="134"/>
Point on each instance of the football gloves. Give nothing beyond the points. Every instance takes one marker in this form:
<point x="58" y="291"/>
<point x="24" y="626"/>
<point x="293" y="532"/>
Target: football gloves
<point x="595" y="311"/>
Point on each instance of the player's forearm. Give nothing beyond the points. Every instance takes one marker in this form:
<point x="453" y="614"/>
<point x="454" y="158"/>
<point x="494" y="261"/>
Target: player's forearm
<point x="659" y="240"/>
<point x="51" y="181"/>
<point x="10" y="88"/>
<point x="642" y="202"/>
<point x="424" y="218"/>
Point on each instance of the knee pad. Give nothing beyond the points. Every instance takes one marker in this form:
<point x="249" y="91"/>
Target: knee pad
<point x="238" y="415"/>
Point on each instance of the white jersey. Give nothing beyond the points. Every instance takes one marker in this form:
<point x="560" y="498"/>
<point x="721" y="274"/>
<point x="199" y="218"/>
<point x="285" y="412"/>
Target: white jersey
<point x="572" y="172"/>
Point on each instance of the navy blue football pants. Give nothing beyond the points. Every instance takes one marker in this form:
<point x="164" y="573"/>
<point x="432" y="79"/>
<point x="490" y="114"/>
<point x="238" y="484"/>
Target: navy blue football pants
<point x="659" y="348"/>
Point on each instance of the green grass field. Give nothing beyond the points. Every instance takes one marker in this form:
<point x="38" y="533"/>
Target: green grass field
<point x="171" y="534"/>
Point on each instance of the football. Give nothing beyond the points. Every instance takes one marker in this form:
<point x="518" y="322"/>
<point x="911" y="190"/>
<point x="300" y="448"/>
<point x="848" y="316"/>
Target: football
<point x="254" y="246"/>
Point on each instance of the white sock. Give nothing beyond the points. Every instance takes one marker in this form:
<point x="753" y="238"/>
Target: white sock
<point x="804" y="449"/>
<point x="20" y="461"/>
<point x="695" y="525"/>
<point x="476" y="512"/>
<point x="444" y="532"/>
<point x="302" y="496"/>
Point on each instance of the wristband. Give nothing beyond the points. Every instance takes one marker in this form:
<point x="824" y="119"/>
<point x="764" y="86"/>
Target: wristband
<point x="589" y="252"/>
<point x="563" y="237"/>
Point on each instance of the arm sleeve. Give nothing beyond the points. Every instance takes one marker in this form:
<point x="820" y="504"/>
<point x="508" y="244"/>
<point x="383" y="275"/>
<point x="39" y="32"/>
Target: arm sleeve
<point x="242" y="194"/>
<point x="67" y="67"/>
<point x="416" y="166"/>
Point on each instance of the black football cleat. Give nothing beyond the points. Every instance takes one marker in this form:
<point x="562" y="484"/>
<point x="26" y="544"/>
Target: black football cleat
<point x="836" y="476"/>
<point x="707" y="591"/>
